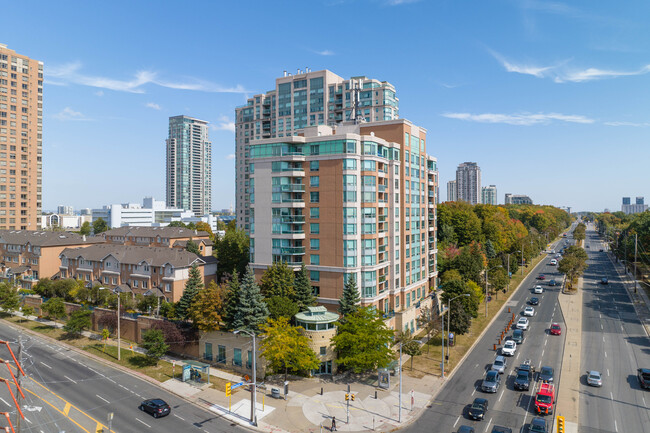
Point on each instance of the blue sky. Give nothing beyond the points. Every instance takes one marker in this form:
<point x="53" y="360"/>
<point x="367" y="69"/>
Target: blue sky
<point x="551" y="99"/>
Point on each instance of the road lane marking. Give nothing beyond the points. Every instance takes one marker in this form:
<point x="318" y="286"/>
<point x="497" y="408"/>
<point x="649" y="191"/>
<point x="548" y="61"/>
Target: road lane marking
<point x="615" y="425"/>
<point x="111" y="380"/>
<point x="139" y="420"/>
<point x="517" y="357"/>
<point x="543" y="353"/>
<point x="605" y="354"/>
<point x="46" y="365"/>
<point x="601" y="326"/>
<point x="488" y="425"/>
<point x="501" y="395"/>
<point x="473" y="392"/>
<point x="643" y="398"/>
<point x="457" y="419"/>
<point x="545" y="341"/>
<point x="476" y="366"/>
<point x="101" y="398"/>
<point x="603" y="338"/>
<point x="611" y="396"/>
<point x="4" y="401"/>
<point x="608" y="372"/>
<point x="27" y="419"/>
<point x="66" y="409"/>
<point x="73" y="381"/>
<point x="182" y="419"/>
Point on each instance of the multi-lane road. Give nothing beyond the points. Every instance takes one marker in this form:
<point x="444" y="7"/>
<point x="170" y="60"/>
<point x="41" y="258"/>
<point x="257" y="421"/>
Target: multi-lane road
<point x="507" y="407"/>
<point x="614" y="343"/>
<point x="68" y="392"/>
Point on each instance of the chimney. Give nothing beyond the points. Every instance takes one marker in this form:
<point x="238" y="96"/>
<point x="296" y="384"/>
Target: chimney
<point x="285" y="73"/>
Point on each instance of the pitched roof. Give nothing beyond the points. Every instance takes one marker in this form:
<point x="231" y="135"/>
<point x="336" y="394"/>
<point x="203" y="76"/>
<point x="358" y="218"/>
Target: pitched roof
<point x="183" y="244"/>
<point x="131" y="254"/>
<point x="152" y="232"/>
<point x="46" y="238"/>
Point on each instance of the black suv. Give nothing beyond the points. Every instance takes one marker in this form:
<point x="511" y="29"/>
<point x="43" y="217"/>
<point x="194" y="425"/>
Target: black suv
<point x="156" y="407"/>
<point x="499" y="429"/>
<point x="524" y="376"/>
<point x="518" y="336"/>
<point x="538" y="425"/>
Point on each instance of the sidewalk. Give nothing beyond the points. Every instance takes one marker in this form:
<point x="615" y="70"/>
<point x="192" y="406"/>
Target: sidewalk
<point x="639" y="299"/>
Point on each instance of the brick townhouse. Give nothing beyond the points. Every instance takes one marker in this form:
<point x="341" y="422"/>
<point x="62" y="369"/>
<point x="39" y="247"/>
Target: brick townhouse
<point x="136" y="269"/>
<point x="153" y="236"/>
<point x="30" y="255"/>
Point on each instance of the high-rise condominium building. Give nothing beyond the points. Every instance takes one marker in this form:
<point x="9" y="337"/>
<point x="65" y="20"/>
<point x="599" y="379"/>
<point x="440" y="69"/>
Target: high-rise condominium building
<point x="21" y="140"/>
<point x="309" y="98"/>
<point x="468" y="182"/>
<point x="356" y="201"/>
<point x="489" y="195"/>
<point x="64" y="210"/>
<point x="517" y="199"/>
<point x="452" y="192"/>
<point x="632" y="208"/>
<point x="626" y="200"/>
<point x="640" y="200"/>
<point x="189" y="165"/>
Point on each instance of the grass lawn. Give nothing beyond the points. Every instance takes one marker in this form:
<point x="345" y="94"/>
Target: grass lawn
<point x="429" y="361"/>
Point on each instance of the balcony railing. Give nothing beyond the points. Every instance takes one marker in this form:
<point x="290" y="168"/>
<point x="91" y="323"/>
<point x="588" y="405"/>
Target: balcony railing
<point x="289" y="250"/>
<point x="295" y="187"/>
<point x="291" y="219"/>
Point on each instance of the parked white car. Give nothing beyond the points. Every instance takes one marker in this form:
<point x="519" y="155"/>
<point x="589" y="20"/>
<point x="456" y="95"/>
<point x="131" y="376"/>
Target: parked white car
<point x="522" y="323"/>
<point x="509" y="348"/>
<point x="538" y="289"/>
<point x="529" y="311"/>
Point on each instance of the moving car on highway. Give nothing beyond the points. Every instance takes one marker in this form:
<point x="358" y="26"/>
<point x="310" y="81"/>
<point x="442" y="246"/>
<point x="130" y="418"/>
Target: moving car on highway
<point x="544" y="399"/>
<point x="500" y="364"/>
<point x="538" y="425"/>
<point x="518" y="336"/>
<point x="643" y="374"/>
<point x="522" y="323"/>
<point x="509" y="348"/>
<point x="528" y="311"/>
<point x="541" y="277"/>
<point x="491" y="382"/>
<point x="546" y="374"/>
<point x="538" y="289"/>
<point x="534" y="301"/>
<point x="156" y="407"/>
<point x="524" y="376"/>
<point x="594" y="378"/>
<point x="478" y="409"/>
<point x="556" y="329"/>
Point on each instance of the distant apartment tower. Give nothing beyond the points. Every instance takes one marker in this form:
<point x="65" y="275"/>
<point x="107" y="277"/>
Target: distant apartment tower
<point x="489" y="195"/>
<point x="354" y="201"/>
<point x="631" y="208"/>
<point x="189" y="165"/>
<point x="64" y="210"/>
<point x="21" y="140"/>
<point x="517" y="199"/>
<point x="309" y="98"/>
<point x="452" y="192"/>
<point x="468" y="182"/>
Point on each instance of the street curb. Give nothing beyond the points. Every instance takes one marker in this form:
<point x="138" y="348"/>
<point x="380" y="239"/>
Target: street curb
<point x="121" y="369"/>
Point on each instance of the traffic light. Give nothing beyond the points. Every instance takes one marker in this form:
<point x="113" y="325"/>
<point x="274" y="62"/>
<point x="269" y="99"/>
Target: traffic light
<point x="352" y="395"/>
<point x="228" y="385"/>
<point x="347" y="396"/>
<point x="560" y="424"/>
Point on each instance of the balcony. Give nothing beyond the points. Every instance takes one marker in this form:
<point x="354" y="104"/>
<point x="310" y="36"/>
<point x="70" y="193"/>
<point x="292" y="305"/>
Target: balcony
<point x="294" y="187"/>
<point x="291" y="219"/>
<point x="289" y="251"/>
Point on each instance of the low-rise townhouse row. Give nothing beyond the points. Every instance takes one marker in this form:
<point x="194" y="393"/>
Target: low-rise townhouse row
<point x="136" y="269"/>
<point x="154" y="236"/>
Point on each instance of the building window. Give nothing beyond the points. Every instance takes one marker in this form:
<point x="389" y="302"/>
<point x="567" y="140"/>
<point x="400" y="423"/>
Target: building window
<point x="168" y="287"/>
<point x="323" y="350"/>
<point x="314" y="197"/>
<point x="314" y="228"/>
<point x="236" y="359"/>
<point x="314" y="275"/>
<point x="314" y="165"/>
<point x="314" y="244"/>
<point x="221" y="353"/>
<point x="314" y="259"/>
<point x="314" y="212"/>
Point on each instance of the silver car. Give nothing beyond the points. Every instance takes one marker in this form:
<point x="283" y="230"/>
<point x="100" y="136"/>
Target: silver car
<point x="594" y="378"/>
<point x="500" y="364"/>
<point x="491" y="382"/>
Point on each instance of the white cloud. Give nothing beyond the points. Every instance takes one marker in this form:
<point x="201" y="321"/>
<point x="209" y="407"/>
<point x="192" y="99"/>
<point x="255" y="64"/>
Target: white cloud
<point x="99" y="93"/>
<point x="521" y="119"/>
<point x="325" y="52"/>
<point x="153" y="105"/>
<point x="634" y="124"/>
<point x="69" y="114"/>
<point x="399" y="2"/>
<point x="223" y="124"/>
<point x="70" y="73"/>
<point x="230" y="156"/>
<point x="561" y="73"/>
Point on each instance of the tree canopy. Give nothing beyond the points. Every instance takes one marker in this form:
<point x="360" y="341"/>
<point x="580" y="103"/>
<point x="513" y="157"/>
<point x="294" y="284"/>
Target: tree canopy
<point x="251" y="310"/>
<point x="192" y="287"/>
<point x="232" y="250"/>
<point x="349" y="301"/>
<point x="207" y="308"/>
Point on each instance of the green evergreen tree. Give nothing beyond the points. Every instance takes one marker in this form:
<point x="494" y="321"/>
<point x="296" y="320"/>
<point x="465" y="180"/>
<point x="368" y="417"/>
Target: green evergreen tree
<point x="304" y="294"/>
<point x="252" y="311"/>
<point x="349" y="302"/>
<point x="11" y="301"/>
<point x="192" y="286"/>
<point x="232" y="301"/>
<point x="153" y="341"/>
<point x="192" y="247"/>
<point x="78" y="322"/>
<point x="278" y="280"/>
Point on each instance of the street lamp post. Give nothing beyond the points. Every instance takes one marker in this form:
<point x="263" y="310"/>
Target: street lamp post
<point x="449" y="321"/>
<point x="119" y="346"/>
<point x="254" y="389"/>
<point x="486" y="287"/>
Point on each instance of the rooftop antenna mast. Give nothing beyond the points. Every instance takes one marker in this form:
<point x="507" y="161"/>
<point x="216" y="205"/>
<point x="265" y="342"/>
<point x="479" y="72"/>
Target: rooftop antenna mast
<point x="356" y="115"/>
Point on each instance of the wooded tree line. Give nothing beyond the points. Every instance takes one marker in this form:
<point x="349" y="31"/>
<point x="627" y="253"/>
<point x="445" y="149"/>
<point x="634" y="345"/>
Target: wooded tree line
<point x="476" y="238"/>
<point x="620" y="229"/>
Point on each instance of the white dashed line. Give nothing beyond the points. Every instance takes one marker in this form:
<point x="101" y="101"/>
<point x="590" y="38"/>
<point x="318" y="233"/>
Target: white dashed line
<point x="545" y="341"/>
<point x="601" y="326"/>
<point x="182" y="419"/>
<point x="70" y="379"/>
<point x="44" y="364"/>
<point x="603" y="338"/>
<point x="140" y="421"/>
<point x="615" y="425"/>
<point x="476" y="366"/>
<point x="488" y="425"/>
<point x="473" y="392"/>
<point x="501" y="395"/>
<point x="111" y="380"/>
<point x="4" y="401"/>
<point x="543" y="353"/>
<point x="27" y="419"/>
<point x="457" y="419"/>
<point x="608" y="372"/>
<point x="102" y="398"/>
<point x="611" y="396"/>
<point x="605" y="354"/>
<point x="122" y="386"/>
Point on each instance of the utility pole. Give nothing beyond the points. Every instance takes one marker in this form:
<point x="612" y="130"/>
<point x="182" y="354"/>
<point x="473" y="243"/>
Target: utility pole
<point x="522" y="259"/>
<point x="635" y="251"/>
<point x="508" y="272"/>
<point x="18" y="396"/>
<point x="399" y="412"/>
<point x="486" y="290"/>
<point x="442" y="341"/>
<point x="119" y="346"/>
